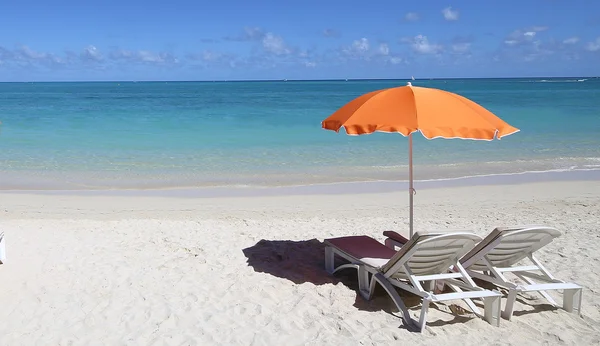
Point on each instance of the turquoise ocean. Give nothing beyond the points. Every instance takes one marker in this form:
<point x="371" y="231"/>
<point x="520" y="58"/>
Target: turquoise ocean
<point x="128" y="135"/>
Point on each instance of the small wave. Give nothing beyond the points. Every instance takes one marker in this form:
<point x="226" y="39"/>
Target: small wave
<point x="560" y="170"/>
<point x="560" y="81"/>
<point x="553" y="81"/>
<point x="390" y="167"/>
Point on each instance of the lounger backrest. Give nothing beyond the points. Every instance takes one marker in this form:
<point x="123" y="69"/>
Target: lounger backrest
<point x="506" y="246"/>
<point x="428" y="254"/>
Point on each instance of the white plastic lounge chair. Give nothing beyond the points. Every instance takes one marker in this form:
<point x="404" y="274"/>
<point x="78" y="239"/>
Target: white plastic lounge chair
<point x="499" y="253"/>
<point x="425" y="258"/>
<point x="2" y="249"/>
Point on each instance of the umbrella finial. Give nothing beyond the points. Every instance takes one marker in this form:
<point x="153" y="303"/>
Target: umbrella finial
<point x="409" y="83"/>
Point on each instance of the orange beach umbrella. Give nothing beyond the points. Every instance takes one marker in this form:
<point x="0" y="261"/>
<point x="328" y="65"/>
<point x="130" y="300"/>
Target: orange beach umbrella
<point x="408" y="109"/>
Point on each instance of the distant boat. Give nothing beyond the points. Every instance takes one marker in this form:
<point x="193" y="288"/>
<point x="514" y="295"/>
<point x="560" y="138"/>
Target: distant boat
<point x="412" y="77"/>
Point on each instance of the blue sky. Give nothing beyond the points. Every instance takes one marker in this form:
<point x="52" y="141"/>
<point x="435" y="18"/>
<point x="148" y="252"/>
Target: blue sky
<point x="53" y="40"/>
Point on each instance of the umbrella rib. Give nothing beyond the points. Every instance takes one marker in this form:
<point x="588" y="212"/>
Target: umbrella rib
<point x="417" y="129"/>
<point x="462" y="100"/>
<point x="375" y="94"/>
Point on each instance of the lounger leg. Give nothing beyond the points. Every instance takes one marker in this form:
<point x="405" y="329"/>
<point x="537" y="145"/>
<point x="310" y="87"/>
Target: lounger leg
<point x="394" y="295"/>
<point x="366" y="289"/>
<point x="492" y="308"/>
<point x="572" y="300"/>
<point x="469" y="302"/>
<point x="329" y="257"/>
<point x="423" y="317"/>
<point x="429" y="286"/>
<point x="510" y="304"/>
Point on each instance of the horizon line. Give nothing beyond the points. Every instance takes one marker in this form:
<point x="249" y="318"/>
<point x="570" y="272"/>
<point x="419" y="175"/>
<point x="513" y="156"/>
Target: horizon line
<point x="290" y="80"/>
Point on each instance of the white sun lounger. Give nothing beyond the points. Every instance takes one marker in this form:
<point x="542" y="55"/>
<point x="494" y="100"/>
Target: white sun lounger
<point x="2" y="249"/>
<point x="425" y="258"/>
<point x="499" y="254"/>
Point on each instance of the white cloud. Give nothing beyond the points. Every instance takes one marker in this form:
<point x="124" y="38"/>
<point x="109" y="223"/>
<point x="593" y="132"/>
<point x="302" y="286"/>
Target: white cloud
<point x="26" y="55"/>
<point x="359" y="49"/>
<point x="539" y="28"/>
<point x="523" y="36"/>
<point x="411" y="17"/>
<point x="91" y="53"/>
<point x="211" y="58"/>
<point x="384" y="49"/>
<point x="151" y="57"/>
<point x="147" y="56"/>
<point x="274" y="44"/>
<point x="249" y="34"/>
<point x="122" y="54"/>
<point x="361" y="45"/>
<point x="593" y="46"/>
<point x="384" y="54"/>
<point x="208" y="56"/>
<point x="270" y="42"/>
<point x="29" y="53"/>
<point x="362" y="49"/>
<point x="420" y="44"/>
<point x="571" y="40"/>
<point x="537" y="49"/>
<point x="144" y="56"/>
<point x="395" y="60"/>
<point x="450" y="14"/>
<point x="331" y="33"/>
<point x="461" y="47"/>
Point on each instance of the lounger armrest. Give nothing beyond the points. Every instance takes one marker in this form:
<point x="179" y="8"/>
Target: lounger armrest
<point x="395" y="236"/>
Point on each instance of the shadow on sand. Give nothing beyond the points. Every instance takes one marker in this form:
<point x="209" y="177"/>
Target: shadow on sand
<point x="304" y="261"/>
<point x="297" y="261"/>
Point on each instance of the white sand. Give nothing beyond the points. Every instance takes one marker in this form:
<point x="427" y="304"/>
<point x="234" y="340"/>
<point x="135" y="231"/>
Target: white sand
<point x="101" y="270"/>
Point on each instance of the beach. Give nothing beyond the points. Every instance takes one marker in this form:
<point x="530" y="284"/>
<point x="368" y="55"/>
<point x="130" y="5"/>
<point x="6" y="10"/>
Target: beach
<point x="155" y="268"/>
<point x="194" y="213"/>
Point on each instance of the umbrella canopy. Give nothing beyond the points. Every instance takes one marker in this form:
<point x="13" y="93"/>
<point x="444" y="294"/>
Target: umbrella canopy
<point x="435" y="113"/>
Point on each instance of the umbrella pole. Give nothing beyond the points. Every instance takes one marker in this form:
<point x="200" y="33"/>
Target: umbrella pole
<point x="411" y="190"/>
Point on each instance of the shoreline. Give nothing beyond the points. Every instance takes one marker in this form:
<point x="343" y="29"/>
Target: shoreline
<point x="334" y="188"/>
<point x="257" y="176"/>
<point x="346" y="202"/>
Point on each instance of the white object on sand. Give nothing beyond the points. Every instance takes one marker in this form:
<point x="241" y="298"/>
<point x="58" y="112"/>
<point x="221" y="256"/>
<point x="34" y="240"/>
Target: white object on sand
<point x="425" y="258"/>
<point x="2" y="249"/>
<point x="501" y="251"/>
